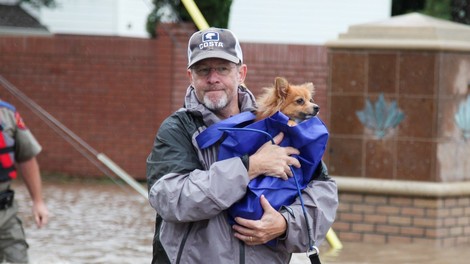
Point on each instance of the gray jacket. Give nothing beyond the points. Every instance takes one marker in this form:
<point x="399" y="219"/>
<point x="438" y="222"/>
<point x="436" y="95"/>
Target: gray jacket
<point x="190" y="191"/>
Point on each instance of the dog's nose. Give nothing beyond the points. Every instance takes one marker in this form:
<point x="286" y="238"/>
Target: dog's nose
<point x="316" y="109"/>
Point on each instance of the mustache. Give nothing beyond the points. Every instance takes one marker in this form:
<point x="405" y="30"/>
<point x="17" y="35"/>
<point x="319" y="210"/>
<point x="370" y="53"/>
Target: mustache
<point x="214" y="87"/>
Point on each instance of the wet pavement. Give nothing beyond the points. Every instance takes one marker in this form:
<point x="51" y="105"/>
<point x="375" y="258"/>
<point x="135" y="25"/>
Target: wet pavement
<point x="90" y="223"/>
<point x="363" y="253"/>
<point x="103" y="222"/>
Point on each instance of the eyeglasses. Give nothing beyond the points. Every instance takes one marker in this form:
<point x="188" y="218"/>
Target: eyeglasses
<point x="203" y="71"/>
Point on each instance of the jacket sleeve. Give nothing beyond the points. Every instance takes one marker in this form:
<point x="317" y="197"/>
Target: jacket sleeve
<point x="180" y="190"/>
<point x="321" y="202"/>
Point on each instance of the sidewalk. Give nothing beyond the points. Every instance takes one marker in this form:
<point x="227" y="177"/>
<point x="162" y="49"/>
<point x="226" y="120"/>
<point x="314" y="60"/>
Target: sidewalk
<point x="363" y="253"/>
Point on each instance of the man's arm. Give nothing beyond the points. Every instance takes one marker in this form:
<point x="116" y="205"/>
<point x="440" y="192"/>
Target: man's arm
<point x="32" y="178"/>
<point x="180" y="188"/>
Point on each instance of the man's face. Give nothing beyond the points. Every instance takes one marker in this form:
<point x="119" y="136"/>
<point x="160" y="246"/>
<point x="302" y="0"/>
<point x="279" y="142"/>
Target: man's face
<point x="216" y="83"/>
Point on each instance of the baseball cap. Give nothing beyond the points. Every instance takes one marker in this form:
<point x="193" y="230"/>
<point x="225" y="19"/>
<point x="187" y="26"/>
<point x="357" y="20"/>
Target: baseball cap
<point x="214" y="43"/>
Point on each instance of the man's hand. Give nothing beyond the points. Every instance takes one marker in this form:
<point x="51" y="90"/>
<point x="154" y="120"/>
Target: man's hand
<point x="40" y="214"/>
<point x="273" y="160"/>
<point x="256" y="232"/>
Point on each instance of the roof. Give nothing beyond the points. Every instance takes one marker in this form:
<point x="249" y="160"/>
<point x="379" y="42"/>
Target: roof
<point x="409" y="31"/>
<point x="16" y="21"/>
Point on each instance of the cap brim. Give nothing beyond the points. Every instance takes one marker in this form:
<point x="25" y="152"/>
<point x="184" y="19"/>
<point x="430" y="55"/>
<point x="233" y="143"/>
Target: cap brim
<point x="213" y="54"/>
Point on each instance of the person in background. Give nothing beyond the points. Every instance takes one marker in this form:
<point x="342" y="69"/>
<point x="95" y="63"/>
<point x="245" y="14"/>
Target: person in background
<point x="190" y="190"/>
<point x="18" y="150"/>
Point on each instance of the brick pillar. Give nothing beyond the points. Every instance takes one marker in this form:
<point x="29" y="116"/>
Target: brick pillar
<point x="410" y="184"/>
<point x="173" y="40"/>
<point x="421" y="63"/>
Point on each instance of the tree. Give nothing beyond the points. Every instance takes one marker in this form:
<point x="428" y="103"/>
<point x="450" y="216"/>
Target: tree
<point x="438" y="8"/>
<point x="400" y="7"/>
<point x="39" y="3"/>
<point x="454" y="10"/>
<point x="216" y="13"/>
<point x="461" y="11"/>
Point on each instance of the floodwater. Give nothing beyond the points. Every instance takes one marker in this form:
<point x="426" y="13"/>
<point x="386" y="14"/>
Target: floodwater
<point x="96" y="222"/>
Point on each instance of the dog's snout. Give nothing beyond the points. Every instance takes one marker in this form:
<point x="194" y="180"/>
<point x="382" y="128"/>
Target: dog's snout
<point x="316" y="109"/>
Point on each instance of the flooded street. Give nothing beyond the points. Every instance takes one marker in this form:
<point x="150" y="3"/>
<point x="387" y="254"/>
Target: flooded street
<point x="90" y="223"/>
<point x="102" y="222"/>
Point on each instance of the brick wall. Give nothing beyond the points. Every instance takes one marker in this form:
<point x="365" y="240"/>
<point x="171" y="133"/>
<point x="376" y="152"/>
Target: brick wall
<point x="371" y="218"/>
<point x="297" y="63"/>
<point x="114" y="92"/>
<point x="101" y="88"/>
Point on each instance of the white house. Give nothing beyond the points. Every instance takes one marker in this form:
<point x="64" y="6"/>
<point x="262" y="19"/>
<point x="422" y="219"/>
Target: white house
<point x="126" y="18"/>
<point x="302" y="21"/>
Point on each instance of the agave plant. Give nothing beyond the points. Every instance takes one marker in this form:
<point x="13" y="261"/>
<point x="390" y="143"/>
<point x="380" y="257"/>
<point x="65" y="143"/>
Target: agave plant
<point x="381" y="116"/>
<point x="462" y="117"/>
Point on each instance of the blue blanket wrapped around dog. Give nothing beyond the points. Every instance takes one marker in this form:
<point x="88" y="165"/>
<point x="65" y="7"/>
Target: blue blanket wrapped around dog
<point x="309" y="137"/>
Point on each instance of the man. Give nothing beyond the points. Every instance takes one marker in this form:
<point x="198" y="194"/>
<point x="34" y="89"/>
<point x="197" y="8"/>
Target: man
<point x="191" y="190"/>
<point x="18" y="149"/>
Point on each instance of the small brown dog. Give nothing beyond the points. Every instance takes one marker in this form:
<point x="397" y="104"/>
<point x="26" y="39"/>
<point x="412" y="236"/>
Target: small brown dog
<point x="295" y="101"/>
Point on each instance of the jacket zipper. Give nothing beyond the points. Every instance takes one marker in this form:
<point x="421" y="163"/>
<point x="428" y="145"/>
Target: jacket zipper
<point x="183" y="242"/>
<point x="242" y="252"/>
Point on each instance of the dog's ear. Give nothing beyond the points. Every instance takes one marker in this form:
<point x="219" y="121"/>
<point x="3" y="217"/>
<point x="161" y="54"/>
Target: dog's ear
<point x="281" y="86"/>
<point x="310" y="87"/>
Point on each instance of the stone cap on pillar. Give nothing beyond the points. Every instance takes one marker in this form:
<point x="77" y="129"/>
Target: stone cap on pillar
<point x="410" y="31"/>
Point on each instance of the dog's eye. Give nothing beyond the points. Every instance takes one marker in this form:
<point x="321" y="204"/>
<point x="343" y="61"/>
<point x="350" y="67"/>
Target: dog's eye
<point x="300" y="101"/>
<point x="311" y="100"/>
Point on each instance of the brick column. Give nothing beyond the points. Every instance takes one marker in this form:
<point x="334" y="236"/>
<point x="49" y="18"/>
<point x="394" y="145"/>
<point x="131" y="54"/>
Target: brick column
<point x="422" y="64"/>
<point x="411" y="183"/>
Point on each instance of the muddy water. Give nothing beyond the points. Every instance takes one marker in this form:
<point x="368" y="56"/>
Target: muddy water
<point x="90" y="223"/>
<point x="109" y="223"/>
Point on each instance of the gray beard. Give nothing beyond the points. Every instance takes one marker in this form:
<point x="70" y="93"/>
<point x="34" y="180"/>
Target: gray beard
<point x="218" y="105"/>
